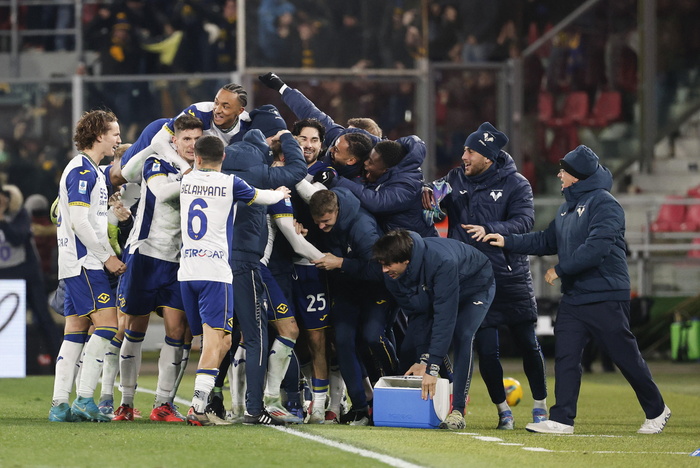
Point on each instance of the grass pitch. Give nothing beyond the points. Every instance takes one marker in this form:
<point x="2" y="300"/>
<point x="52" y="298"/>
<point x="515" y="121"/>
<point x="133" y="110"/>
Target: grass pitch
<point x="608" y="418"/>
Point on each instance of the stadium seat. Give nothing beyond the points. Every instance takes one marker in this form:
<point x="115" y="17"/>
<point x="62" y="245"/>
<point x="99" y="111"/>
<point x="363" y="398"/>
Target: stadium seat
<point x="691" y="222"/>
<point x="695" y="253"/>
<point x="670" y="216"/>
<point x="607" y="109"/>
<point x="565" y="125"/>
<point x="693" y="192"/>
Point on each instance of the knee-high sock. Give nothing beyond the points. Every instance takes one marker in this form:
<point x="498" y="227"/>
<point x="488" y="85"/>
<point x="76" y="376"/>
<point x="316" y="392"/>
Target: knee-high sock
<point x="203" y="384"/>
<point x="95" y="351"/>
<point x="337" y="389"/>
<point x="320" y="391"/>
<point x="110" y="369"/>
<point x="290" y="383"/>
<point x="181" y="369"/>
<point x="168" y="363"/>
<point x="129" y="365"/>
<point x="237" y="383"/>
<point x="278" y="361"/>
<point x="67" y="363"/>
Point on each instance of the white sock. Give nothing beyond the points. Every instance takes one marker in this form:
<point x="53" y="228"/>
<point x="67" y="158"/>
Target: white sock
<point x="502" y="407"/>
<point x="540" y="404"/>
<point x="129" y="365"/>
<point x="181" y="371"/>
<point x="95" y="351"/>
<point x="109" y="372"/>
<point x="168" y="364"/>
<point x="203" y="384"/>
<point x="337" y="389"/>
<point x="66" y="368"/>
<point x="369" y="391"/>
<point x="320" y="401"/>
<point x="277" y="364"/>
<point x="237" y="382"/>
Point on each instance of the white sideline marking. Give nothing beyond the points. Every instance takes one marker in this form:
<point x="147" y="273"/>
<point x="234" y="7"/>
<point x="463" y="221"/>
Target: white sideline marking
<point x="541" y="449"/>
<point x="391" y="461"/>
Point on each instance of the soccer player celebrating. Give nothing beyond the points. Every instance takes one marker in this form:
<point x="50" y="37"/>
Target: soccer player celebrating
<point x="208" y="198"/>
<point x="84" y="253"/>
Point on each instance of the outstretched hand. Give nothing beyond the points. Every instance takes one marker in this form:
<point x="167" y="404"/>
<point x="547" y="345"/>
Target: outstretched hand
<point x="494" y="239"/>
<point x="272" y="81"/>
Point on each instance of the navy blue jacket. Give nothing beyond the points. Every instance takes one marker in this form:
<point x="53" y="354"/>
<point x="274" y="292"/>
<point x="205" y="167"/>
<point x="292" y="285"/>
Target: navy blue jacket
<point x="441" y="275"/>
<point x="500" y="199"/>
<point x="588" y="234"/>
<point x="395" y="199"/>
<point x="353" y="235"/>
<point x="303" y="108"/>
<point x="249" y="159"/>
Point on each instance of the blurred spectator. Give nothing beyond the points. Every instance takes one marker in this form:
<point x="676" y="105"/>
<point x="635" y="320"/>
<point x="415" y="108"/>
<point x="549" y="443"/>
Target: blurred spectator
<point x="275" y="18"/>
<point x="19" y="260"/>
<point x="445" y="29"/>
<point x="481" y="24"/>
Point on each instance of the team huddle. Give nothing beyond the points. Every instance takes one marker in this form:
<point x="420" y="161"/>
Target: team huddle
<point x="310" y="252"/>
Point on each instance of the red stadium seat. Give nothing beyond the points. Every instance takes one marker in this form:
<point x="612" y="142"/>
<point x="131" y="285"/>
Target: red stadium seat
<point x="565" y="125"/>
<point x="694" y="192"/>
<point x="670" y="216"/>
<point x="695" y="253"/>
<point x="607" y="109"/>
<point x="691" y="222"/>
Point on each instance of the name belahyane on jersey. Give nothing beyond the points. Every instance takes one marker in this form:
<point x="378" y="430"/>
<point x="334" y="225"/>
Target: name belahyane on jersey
<point x="203" y="190"/>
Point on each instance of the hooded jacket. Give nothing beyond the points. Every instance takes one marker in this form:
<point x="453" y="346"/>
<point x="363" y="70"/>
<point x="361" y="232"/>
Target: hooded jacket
<point x="499" y="199"/>
<point x="353" y="235"/>
<point x="395" y="197"/>
<point x="441" y="275"/>
<point x="588" y="234"/>
<point x="249" y="159"/>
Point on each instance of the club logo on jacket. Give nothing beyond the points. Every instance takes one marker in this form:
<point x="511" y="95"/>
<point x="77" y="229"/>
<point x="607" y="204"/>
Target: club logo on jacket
<point x="496" y="194"/>
<point x="580" y="209"/>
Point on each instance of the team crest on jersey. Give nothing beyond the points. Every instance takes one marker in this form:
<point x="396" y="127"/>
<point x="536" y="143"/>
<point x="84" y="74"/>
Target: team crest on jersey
<point x="580" y="209"/>
<point x="282" y="309"/>
<point x="496" y="194"/>
<point x="103" y="298"/>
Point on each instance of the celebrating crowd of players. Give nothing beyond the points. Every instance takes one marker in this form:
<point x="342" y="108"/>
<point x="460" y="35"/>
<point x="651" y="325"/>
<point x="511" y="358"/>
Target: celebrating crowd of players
<point x="313" y="249"/>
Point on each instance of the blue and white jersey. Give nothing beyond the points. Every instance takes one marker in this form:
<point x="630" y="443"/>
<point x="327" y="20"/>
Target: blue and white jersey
<point x="208" y="201"/>
<point x="156" y="231"/>
<point x="204" y="111"/>
<point x="282" y="208"/>
<point x="82" y="184"/>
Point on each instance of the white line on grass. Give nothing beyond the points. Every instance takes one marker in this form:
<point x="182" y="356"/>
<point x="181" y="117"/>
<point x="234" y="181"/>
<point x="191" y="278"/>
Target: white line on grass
<point x="391" y="461"/>
<point x="541" y="449"/>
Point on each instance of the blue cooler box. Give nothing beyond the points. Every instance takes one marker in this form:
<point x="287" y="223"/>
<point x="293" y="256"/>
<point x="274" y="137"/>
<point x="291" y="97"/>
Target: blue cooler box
<point x="397" y="403"/>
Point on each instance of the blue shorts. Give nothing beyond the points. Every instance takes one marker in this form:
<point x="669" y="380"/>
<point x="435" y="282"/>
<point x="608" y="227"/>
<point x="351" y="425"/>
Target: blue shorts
<point x="209" y="302"/>
<point x="279" y="308"/>
<point x="148" y="285"/>
<point x="86" y="293"/>
<point x="311" y="297"/>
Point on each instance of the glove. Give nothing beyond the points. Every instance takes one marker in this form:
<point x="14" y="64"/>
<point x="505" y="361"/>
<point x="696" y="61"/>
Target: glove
<point x="272" y="81"/>
<point x="326" y="176"/>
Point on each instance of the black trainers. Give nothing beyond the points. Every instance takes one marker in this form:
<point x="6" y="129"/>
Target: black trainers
<point x="264" y="418"/>
<point x="359" y="417"/>
<point x="216" y="405"/>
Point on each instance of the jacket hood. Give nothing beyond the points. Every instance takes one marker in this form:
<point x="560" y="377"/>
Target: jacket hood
<point x="600" y="179"/>
<point x="348" y="206"/>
